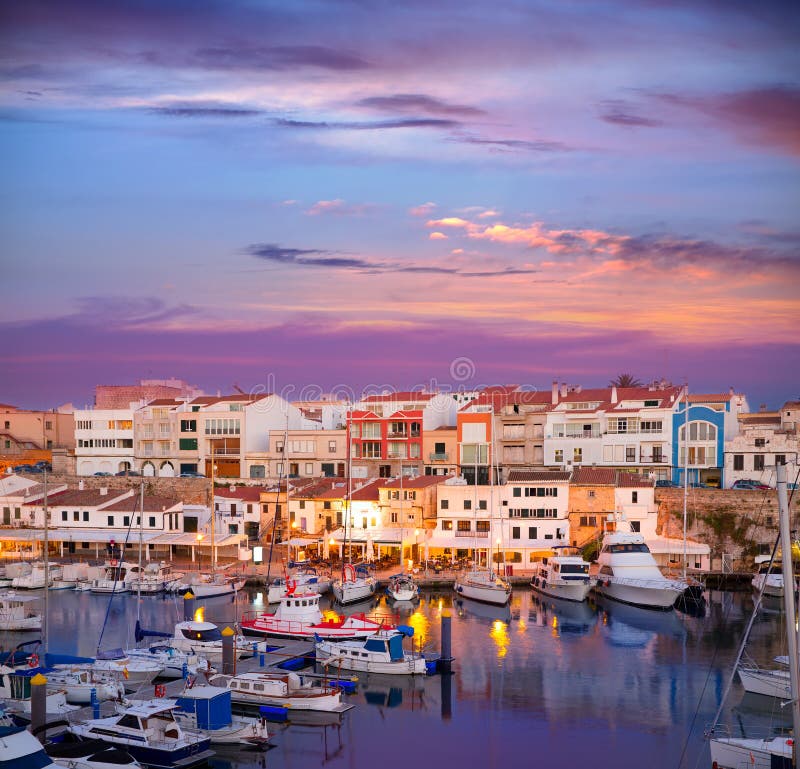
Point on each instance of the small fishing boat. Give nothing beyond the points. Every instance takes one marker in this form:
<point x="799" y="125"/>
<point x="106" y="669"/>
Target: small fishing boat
<point x="300" y="577"/>
<point x="380" y="653"/>
<point x="299" y="616"/>
<point x="284" y="690"/>
<point x="211" y="585"/>
<point x="768" y="579"/>
<point x="14" y="613"/>
<point x="402" y="587"/>
<point x="79" y="683"/>
<point x="15" y="690"/>
<point x="483" y="585"/>
<point x="563" y="575"/>
<point x="207" y="709"/>
<point x="154" y="578"/>
<point x="113" y="579"/>
<point x="149" y="732"/>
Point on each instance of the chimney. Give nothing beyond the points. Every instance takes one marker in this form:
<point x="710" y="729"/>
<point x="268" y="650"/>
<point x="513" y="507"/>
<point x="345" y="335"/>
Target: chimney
<point x="103" y="491"/>
<point x="613" y="393"/>
<point x="731" y="391"/>
<point x="563" y="389"/>
<point x="554" y="393"/>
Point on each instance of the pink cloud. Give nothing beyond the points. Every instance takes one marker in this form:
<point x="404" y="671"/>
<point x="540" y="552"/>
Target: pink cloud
<point x="425" y="209"/>
<point x="338" y="207"/>
<point x="437" y="236"/>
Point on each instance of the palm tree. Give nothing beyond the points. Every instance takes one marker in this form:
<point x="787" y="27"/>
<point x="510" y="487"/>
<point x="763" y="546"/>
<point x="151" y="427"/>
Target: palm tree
<point x="625" y="380"/>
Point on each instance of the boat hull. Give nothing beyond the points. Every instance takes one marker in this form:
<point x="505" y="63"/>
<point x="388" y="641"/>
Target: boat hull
<point x="769" y="683"/>
<point x="497" y="596"/>
<point x="569" y="591"/>
<point x="736" y="753"/>
<point x="660" y="599"/>
<point x="347" y="592"/>
<point x="409" y="666"/>
<point x="190" y="755"/>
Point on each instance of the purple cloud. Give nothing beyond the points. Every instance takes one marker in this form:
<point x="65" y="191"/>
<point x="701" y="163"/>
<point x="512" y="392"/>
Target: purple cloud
<point x="620" y="113"/>
<point x="418" y="103"/>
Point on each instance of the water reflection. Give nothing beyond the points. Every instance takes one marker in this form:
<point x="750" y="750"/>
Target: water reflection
<point x="565" y="616"/>
<point x="631" y="626"/>
<point x="484" y="611"/>
<point x="499" y="634"/>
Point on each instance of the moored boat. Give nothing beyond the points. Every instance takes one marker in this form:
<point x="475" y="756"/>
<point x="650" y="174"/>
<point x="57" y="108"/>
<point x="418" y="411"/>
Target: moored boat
<point x="563" y="575"/>
<point x="380" y="653"/>
<point x="402" y="587"/>
<point x="483" y="585"/>
<point x="355" y="584"/>
<point x="14" y="612"/>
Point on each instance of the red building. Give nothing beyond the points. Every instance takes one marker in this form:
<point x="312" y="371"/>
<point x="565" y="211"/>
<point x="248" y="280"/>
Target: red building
<point x="381" y="445"/>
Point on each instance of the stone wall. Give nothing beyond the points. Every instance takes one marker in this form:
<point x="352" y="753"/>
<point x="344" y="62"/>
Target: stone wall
<point x="191" y="491"/>
<point x="741" y="523"/>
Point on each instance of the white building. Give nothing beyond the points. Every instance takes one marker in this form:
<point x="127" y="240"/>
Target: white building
<point x="104" y="440"/>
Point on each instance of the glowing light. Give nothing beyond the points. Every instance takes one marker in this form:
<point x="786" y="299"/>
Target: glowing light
<point x="259" y="599"/>
<point x="555" y="623"/>
<point x="199" y="538"/>
<point x="499" y="634"/>
<point x="410" y="563"/>
<point x="420" y="623"/>
<point x="441" y="603"/>
<point x="331" y="541"/>
<point x="199" y="613"/>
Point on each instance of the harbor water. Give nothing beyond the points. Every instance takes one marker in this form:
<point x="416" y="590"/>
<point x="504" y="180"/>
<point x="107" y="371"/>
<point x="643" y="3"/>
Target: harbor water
<point x="536" y="683"/>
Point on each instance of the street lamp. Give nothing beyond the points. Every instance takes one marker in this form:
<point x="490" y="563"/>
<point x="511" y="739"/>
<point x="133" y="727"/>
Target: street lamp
<point x="199" y="551"/>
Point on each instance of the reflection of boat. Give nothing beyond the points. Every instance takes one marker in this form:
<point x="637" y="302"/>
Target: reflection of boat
<point x="299" y="616"/>
<point x="571" y="616"/>
<point x="483" y="610"/>
<point x="654" y="623"/>
<point x="563" y="575"/>
<point x="628" y="573"/>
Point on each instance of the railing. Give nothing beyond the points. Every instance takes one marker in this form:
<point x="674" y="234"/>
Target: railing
<point x="587" y="434"/>
<point x="477" y="534"/>
<point x="658" y="459"/>
<point x="398" y="434"/>
<point x="439" y="456"/>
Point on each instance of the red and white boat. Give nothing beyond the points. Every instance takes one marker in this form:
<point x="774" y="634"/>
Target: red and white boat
<point x="298" y="616"/>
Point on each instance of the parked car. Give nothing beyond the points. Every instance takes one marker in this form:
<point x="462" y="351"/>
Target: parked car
<point x="701" y="486"/>
<point x="128" y="474"/>
<point x="44" y="465"/>
<point x="747" y="483"/>
<point x="666" y="485"/>
<point x="192" y="475"/>
<point x="24" y="469"/>
<point x="103" y="475"/>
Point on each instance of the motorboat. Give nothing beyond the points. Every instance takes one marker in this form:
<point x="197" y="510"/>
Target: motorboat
<point x="402" y="587"/>
<point x="80" y="683"/>
<point x="207" y="709"/>
<point x="628" y="573"/>
<point x="380" y="653"/>
<point x="289" y="690"/>
<point x="563" y="575"/>
<point x="768" y="579"/>
<point x="175" y="663"/>
<point x="154" y="578"/>
<point x="301" y="577"/>
<point x="205" y="640"/>
<point x="113" y="578"/>
<point x="298" y="616"/>
<point x="211" y="585"/>
<point x="15" y="690"/>
<point x="355" y="584"/>
<point x="134" y="672"/>
<point x="770" y="682"/>
<point x="15" y="614"/>
<point x="20" y="749"/>
<point x="483" y="585"/>
<point x="35" y="579"/>
<point x="149" y="732"/>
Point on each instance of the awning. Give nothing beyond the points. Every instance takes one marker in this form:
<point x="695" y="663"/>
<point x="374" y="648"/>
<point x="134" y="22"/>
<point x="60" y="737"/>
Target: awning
<point x="181" y="538"/>
<point x="674" y="546"/>
<point x="377" y="536"/>
<point x="76" y="535"/>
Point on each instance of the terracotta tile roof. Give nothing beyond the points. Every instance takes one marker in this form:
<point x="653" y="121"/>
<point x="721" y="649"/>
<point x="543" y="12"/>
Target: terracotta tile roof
<point x="245" y="493"/>
<point x="713" y="398"/>
<point x="594" y="476"/>
<point x="363" y="415"/>
<point x="410" y="414"/>
<point x="8" y="407"/>
<point x="84" y="497"/>
<point x="759" y="419"/>
<point x="792" y="405"/>
<point x="152" y="503"/>
<point x="534" y="476"/>
<point x="420" y="482"/>
<point x="402" y="395"/>
<point x="634" y="480"/>
<point x="163" y="402"/>
<point x="513" y="398"/>
<point x="369" y="492"/>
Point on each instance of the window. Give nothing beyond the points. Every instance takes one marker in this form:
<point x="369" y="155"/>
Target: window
<point x="634" y="496"/>
<point x="636" y="526"/>
<point x="577" y="454"/>
<point x="126" y="520"/>
<point x="447" y="525"/>
<point x="533" y="532"/>
<point x="187" y="444"/>
<point x="188" y="425"/>
<point x="468" y="504"/>
<point x="86" y="516"/>
<point x="463" y="526"/>
<point x="630" y="453"/>
<point x="481" y="525"/>
<point x="517" y="491"/>
<point x="482" y="505"/>
<point x="326" y="505"/>
<point x="64" y="515"/>
<point x="48" y="425"/>
<point x="151" y="522"/>
<point x="780" y="459"/>
<point x="331" y="447"/>
<point x="559" y="455"/>
<point x="591" y="494"/>
<point x="444" y="504"/>
<point x="761" y="443"/>
<point x="309" y="468"/>
<point x="110" y="520"/>
<point x="738" y="461"/>
<point x="515" y="532"/>
<point x="758" y="462"/>
<point x="76" y="516"/>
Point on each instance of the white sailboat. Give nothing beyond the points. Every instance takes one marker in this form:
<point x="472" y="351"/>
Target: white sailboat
<point x="770" y="751"/>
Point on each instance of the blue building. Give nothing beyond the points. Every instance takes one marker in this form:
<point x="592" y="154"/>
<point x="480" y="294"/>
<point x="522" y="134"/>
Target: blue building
<point x="712" y="419"/>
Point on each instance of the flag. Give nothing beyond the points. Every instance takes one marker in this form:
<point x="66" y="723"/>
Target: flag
<point x="125" y="673"/>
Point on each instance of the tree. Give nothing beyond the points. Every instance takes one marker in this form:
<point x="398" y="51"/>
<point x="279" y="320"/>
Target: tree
<point x="625" y="380"/>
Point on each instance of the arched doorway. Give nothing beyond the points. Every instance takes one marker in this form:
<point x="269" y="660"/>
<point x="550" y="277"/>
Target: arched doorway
<point x="148" y="470"/>
<point x="166" y="470"/>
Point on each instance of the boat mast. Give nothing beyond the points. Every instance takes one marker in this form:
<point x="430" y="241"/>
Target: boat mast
<point x="349" y="485"/>
<point x="402" y="559"/>
<point x="45" y="629"/>
<point x="788" y="600"/>
<point x="213" y="514"/>
<point x="685" y="468"/>
<point x="141" y="529"/>
<point x="288" y="514"/>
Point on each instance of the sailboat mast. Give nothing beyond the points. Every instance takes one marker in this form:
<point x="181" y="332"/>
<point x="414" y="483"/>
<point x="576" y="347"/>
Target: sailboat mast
<point x="349" y="481"/>
<point x="288" y="514"/>
<point x="685" y="468"/>
<point x="788" y="600"/>
<point x="141" y="529"/>
<point x="402" y="559"/>
<point x="45" y="628"/>
<point x="213" y="514"/>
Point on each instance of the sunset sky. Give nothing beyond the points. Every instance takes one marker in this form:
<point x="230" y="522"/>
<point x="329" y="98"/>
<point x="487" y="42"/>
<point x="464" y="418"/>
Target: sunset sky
<point x="361" y="193"/>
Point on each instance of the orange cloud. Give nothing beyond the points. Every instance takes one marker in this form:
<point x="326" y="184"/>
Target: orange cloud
<point x="437" y="236"/>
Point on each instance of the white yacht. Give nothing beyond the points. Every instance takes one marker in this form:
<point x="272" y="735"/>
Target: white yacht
<point x="284" y="690"/>
<point x="299" y="616"/>
<point x="152" y="579"/>
<point x="563" y="575"/>
<point x="15" y="614"/>
<point x="380" y="653"/>
<point x="15" y="690"/>
<point x="20" y="749"/>
<point x="79" y="683"/>
<point x="173" y="661"/>
<point x="35" y="580"/>
<point x="132" y="672"/>
<point x="205" y="640"/>
<point x="483" y="585"/>
<point x="402" y="587"/>
<point x="355" y="584"/>
<point x="209" y="585"/>
<point x="629" y="573"/>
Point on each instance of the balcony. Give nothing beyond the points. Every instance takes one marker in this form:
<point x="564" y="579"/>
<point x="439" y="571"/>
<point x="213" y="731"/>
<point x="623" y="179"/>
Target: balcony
<point x="653" y="460"/>
<point x="581" y="435"/>
<point x="398" y="434"/>
<point x="439" y="456"/>
<point x="473" y="534"/>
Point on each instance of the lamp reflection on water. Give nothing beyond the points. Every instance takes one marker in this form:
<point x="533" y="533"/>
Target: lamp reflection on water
<point x="499" y="634"/>
<point x="420" y="623"/>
